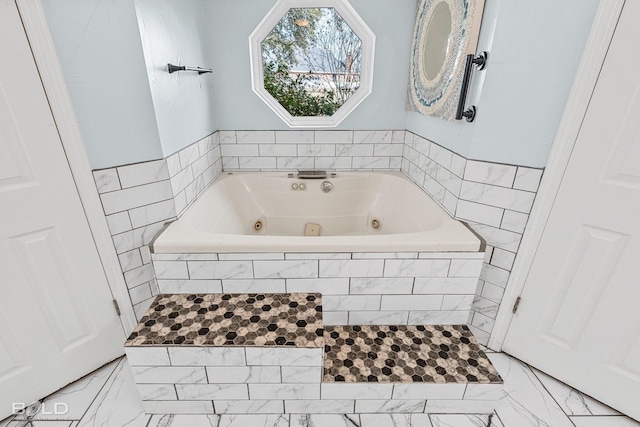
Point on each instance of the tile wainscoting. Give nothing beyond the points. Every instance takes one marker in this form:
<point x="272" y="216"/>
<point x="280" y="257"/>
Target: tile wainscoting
<point x="139" y="198"/>
<point x="494" y="199"/>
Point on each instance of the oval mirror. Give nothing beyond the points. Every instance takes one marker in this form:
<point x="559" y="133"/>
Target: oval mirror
<point x="312" y="61"/>
<point x="436" y="41"/>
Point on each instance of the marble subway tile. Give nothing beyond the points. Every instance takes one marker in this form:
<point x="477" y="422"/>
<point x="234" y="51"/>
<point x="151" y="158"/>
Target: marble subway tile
<point x="212" y="391"/>
<point x="392" y="150"/>
<point x="255" y="137"/>
<point x="382" y="317"/>
<point x="140" y="293"/>
<point x="157" y="391"/>
<point x="169" y="375"/>
<point x="295" y="162"/>
<point x="143" y="173"/>
<point x="189" y="155"/>
<point x="121" y="200"/>
<point x="243" y="374"/>
<point x="119" y="222"/>
<point x="333" y="162"/>
<point x="310" y="150"/>
<point x="350" y="302"/>
<point x="382" y="406"/>
<point x="445" y="285"/>
<point x="416" y="268"/>
<point x="484" y="392"/>
<point x="277" y="150"/>
<point x="284" y="391"/>
<point x="354" y="150"/>
<point x="301" y="374"/>
<point x="173" y="164"/>
<point x="262" y="356"/>
<point x="465" y="268"/>
<point x="368" y="137"/>
<point x="392" y="285"/>
<point x="398" y="136"/>
<point x="147" y="356"/>
<point x="421" y="317"/>
<point x="249" y="407"/>
<point x="333" y="136"/>
<point x="227" y="137"/>
<point x="324" y="285"/>
<point x="443" y="406"/>
<point x="232" y="286"/>
<point x="207" y="356"/>
<point x="514" y="221"/>
<point x="106" y="180"/>
<point x="294" y="137"/>
<point x="460" y="420"/>
<point x="238" y="150"/>
<point x="139" y="275"/>
<point x="354" y="391"/>
<point x="184" y="420"/>
<point x="457" y="302"/>
<point x="496" y="237"/>
<point x="171" y="269"/>
<point x="324" y="406"/>
<point x="190" y="286"/>
<point x="411" y="302"/>
<point x="181" y="180"/>
<point x="495" y="275"/>
<point x="336" y="317"/>
<point x="503" y="259"/>
<point x="478" y="212"/>
<point x="370" y="162"/>
<point x="527" y="179"/>
<point x="293" y="269"/>
<point x="220" y="269"/>
<point x="351" y="268"/>
<point x="507" y="198"/>
<point x="490" y="173"/>
<point x="130" y="260"/>
<point x="428" y="391"/>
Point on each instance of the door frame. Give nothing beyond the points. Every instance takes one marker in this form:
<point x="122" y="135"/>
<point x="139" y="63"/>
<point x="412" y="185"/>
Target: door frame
<point x="604" y="25"/>
<point x="50" y="71"/>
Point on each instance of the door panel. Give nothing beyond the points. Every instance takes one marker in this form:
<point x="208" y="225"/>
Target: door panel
<point x="58" y="320"/>
<point x="578" y="317"/>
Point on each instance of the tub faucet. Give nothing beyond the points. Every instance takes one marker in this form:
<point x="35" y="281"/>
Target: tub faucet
<point x="326" y="186"/>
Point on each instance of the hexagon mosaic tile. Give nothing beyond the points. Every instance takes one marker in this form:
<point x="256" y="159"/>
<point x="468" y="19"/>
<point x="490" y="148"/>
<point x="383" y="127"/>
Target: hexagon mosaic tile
<point x="406" y="353"/>
<point x="231" y="320"/>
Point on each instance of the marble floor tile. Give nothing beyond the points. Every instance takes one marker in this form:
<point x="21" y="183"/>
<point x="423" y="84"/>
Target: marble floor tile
<point x="572" y="401"/>
<point x="325" y="420"/>
<point x="184" y="421"/>
<point x="395" y="420"/>
<point x="52" y="423"/>
<point x="270" y="420"/>
<point x="78" y="395"/>
<point x="459" y="420"/>
<point x="604" y="421"/>
<point x="526" y="402"/>
<point x="118" y="403"/>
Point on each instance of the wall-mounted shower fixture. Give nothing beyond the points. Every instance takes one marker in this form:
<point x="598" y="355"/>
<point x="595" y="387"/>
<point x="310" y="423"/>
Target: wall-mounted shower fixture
<point x="479" y="61"/>
<point x="173" y="68"/>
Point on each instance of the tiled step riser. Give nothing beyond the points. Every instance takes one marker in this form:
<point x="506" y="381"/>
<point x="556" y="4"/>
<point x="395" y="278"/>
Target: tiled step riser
<point x="357" y="288"/>
<point x="270" y="354"/>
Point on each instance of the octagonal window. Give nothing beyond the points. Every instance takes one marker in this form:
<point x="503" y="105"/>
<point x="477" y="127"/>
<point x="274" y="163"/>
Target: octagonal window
<point x="313" y="63"/>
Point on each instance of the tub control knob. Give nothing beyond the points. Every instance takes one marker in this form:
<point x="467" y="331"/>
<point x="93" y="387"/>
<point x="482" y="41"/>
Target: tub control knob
<point x="326" y="186"/>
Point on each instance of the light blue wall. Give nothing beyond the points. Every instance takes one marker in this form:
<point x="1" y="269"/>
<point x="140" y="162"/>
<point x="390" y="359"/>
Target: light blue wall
<point x="177" y="32"/>
<point x="237" y="107"/>
<point x="535" y="47"/>
<point x="124" y="117"/>
<point x="98" y="44"/>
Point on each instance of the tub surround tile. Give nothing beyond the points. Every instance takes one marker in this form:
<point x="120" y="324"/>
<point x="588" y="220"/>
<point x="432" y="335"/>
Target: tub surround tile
<point x="378" y="317"/>
<point x="143" y="173"/>
<point x="119" y="222"/>
<point x="121" y="200"/>
<point x="490" y="173"/>
<point x="248" y="407"/>
<point x="107" y="180"/>
<point x="213" y="320"/>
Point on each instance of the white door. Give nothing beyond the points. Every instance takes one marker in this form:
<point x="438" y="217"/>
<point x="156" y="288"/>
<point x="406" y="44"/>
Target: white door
<point x="579" y="317"/>
<point x="57" y="319"/>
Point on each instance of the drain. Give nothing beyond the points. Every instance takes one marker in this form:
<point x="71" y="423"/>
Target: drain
<point x="376" y="224"/>
<point x="258" y="226"/>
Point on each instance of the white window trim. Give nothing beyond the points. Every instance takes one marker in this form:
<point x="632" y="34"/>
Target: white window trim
<point x="44" y="53"/>
<point x="356" y="23"/>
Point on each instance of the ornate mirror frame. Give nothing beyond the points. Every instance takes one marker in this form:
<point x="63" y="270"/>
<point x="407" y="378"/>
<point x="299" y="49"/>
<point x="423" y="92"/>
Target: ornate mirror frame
<point x="439" y="96"/>
<point x="351" y="17"/>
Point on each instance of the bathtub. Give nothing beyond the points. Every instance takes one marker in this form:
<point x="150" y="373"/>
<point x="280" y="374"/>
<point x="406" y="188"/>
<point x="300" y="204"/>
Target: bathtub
<point x="269" y="212"/>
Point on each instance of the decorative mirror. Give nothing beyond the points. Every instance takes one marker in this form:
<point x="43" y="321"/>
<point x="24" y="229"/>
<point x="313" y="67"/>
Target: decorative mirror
<point x="445" y="32"/>
<point x="312" y="61"/>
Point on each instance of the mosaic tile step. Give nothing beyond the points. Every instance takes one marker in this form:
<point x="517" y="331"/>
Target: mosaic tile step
<point x="231" y="320"/>
<point x="405" y="354"/>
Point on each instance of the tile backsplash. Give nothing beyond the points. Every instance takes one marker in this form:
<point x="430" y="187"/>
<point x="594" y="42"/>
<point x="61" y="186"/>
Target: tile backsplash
<point x="494" y="199"/>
